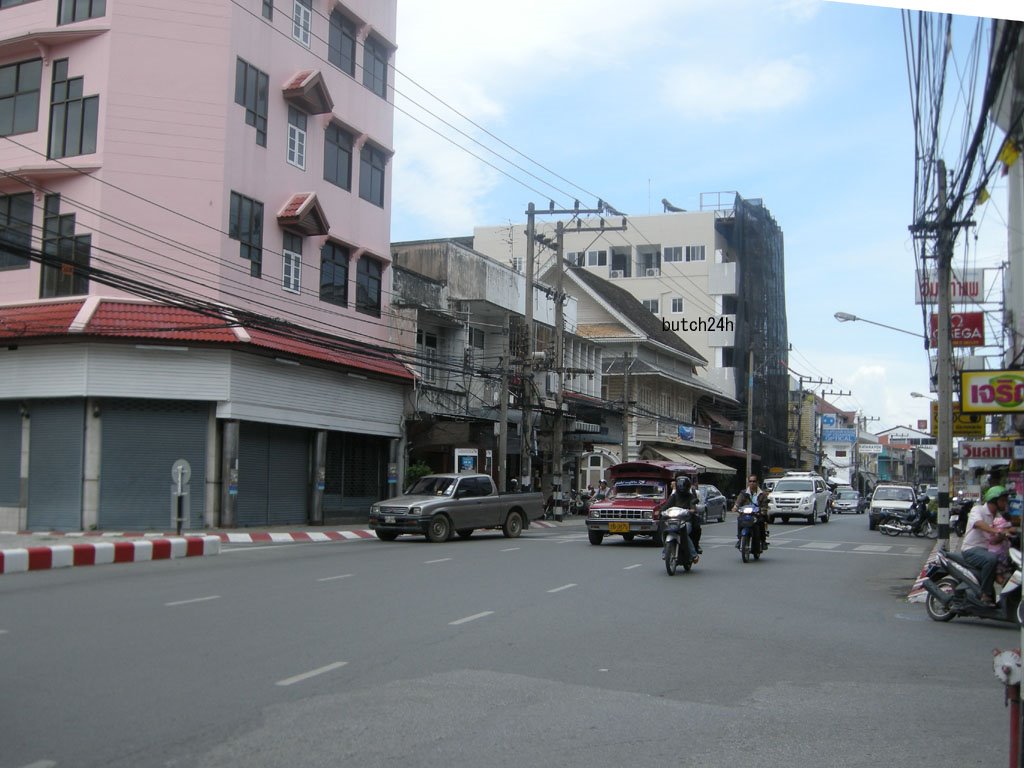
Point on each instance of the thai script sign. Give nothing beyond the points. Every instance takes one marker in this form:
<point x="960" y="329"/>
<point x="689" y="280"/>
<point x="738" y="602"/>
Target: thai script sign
<point x="964" y="285"/>
<point x="993" y="450"/>
<point x="964" y="424"/>
<point x="992" y="391"/>
<point x="838" y="435"/>
<point x="966" y="329"/>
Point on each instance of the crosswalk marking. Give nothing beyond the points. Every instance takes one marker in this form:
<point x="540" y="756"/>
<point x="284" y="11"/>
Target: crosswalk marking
<point x="821" y="545"/>
<point x="872" y="548"/>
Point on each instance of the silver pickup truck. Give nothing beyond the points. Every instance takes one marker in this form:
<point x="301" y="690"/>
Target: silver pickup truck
<point x="440" y="506"/>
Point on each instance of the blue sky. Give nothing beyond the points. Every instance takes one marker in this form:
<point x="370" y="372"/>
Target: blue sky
<point x="802" y="103"/>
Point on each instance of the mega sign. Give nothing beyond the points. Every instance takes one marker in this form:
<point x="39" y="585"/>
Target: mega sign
<point x="966" y="329"/>
<point x="965" y="285"/>
<point x="992" y="391"/>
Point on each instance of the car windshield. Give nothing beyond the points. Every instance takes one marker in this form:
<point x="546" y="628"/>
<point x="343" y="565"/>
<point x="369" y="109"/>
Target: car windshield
<point x="433" y="486"/>
<point x="805" y="486"/>
<point x="847" y="495"/>
<point x="894" y="494"/>
<point x="634" y="489"/>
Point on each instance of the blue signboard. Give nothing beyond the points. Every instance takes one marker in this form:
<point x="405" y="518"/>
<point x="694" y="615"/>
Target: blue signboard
<point x="686" y="432"/>
<point x="828" y="420"/>
<point x="838" y="435"/>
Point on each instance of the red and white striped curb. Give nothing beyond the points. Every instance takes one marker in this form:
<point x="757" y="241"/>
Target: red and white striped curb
<point x="101" y="553"/>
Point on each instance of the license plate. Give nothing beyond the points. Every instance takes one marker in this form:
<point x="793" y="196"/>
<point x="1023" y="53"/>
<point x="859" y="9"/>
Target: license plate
<point x="389" y="518"/>
<point x="618" y="527"/>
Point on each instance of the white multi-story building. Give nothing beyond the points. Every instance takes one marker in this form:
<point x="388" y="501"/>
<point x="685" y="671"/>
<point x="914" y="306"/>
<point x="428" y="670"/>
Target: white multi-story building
<point x="194" y="261"/>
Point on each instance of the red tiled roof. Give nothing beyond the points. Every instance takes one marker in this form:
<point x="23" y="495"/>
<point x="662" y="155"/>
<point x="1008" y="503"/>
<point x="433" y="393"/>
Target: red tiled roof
<point x="36" y="320"/>
<point x="303" y="213"/>
<point x="138" y="320"/>
<point x="298" y="79"/>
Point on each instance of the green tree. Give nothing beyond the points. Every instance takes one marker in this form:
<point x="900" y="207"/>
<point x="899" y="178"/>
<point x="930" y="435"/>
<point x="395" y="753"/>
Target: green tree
<point x="415" y="471"/>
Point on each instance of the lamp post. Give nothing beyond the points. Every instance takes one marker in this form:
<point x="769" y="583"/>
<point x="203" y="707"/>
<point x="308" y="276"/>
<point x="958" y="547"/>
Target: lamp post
<point x="846" y="317"/>
<point x="926" y="397"/>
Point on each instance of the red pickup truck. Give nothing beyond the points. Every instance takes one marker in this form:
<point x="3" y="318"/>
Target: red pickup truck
<point x="635" y="489"/>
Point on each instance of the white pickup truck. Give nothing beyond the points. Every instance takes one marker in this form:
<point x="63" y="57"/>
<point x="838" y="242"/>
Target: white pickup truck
<point x="440" y="506"/>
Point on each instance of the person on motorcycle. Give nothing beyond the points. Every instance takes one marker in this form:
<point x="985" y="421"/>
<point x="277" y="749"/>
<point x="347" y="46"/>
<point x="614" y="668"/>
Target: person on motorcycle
<point x="683" y="496"/>
<point x="980" y="532"/>
<point x="753" y="494"/>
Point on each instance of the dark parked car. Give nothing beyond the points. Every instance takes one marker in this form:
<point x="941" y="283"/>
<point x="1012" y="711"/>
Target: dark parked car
<point x="847" y="499"/>
<point x="711" y="504"/>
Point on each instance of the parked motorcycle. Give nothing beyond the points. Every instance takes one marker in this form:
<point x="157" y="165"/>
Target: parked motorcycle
<point x="750" y="533"/>
<point x="676" y="523"/>
<point x="917" y="521"/>
<point x="954" y="589"/>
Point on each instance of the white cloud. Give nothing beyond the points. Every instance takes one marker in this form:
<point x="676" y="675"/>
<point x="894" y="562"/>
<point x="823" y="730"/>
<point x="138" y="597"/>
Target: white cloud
<point x="720" y="93"/>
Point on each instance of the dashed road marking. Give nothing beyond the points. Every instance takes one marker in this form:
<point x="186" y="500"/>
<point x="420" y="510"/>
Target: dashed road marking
<point x="559" y="589"/>
<point x="439" y="560"/>
<point x="872" y="548"/>
<point x="41" y="764"/>
<point x="631" y="567"/>
<point x="311" y="673"/>
<point x="510" y="549"/>
<point x="467" y="619"/>
<point x="335" y="578"/>
<point x="193" y="600"/>
<point x="821" y="545"/>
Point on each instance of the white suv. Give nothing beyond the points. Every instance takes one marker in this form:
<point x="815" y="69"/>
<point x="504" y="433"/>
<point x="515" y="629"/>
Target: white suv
<point x="799" y="494"/>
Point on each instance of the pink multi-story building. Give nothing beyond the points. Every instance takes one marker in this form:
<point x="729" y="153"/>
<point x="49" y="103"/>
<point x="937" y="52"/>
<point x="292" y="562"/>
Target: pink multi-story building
<point x="194" y="261"/>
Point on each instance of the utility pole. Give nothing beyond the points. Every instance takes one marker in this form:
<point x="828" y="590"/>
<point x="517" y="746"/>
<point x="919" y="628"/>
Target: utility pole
<point x="821" y="432"/>
<point x="750" y="412"/>
<point x="558" y="426"/>
<point x="800" y="413"/>
<point x="625" y="406"/>
<point x="944" y="456"/>
<point x="526" y="427"/>
<point x="503" y="423"/>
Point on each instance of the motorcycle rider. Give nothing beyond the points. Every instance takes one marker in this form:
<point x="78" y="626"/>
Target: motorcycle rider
<point x="683" y="496"/>
<point x="753" y="494"/>
<point x="980" y="531"/>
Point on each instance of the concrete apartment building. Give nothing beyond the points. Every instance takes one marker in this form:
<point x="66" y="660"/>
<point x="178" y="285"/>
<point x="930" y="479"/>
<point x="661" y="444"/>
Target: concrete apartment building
<point x="716" y="278"/>
<point x="194" y="261"/>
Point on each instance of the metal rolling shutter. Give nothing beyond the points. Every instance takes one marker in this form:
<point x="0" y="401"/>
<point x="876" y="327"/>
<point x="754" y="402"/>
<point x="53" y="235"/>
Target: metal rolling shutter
<point x="141" y="440"/>
<point x="10" y="454"/>
<point x="273" y="474"/>
<point x="56" y="449"/>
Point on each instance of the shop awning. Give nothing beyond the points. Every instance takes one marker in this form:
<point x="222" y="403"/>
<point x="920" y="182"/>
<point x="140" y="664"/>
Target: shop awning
<point x="704" y="462"/>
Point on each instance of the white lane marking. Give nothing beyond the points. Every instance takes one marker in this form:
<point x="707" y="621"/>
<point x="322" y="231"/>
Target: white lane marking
<point x="631" y="567"/>
<point x="872" y="548"/>
<point x="559" y="589"/>
<point x="510" y="549"/>
<point x="311" y="673"/>
<point x="820" y="545"/>
<point x="335" y="578"/>
<point x="441" y="560"/>
<point x="41" y="764"/>
<point x="468" y="619"/>
<point x="3" y="631"/>
<point x="193" y="600"/>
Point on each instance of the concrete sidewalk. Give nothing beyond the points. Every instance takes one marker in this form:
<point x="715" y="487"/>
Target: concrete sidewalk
<point x="33" y="550"/>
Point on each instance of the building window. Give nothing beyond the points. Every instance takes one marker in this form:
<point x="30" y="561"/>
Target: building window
<point x="302" y="16"/>
<point x="268" y="9"/>
<point x="728" y="357"/>
<point x="65" y="269"/>
<point x="517" y="264"/>
<point x="334" y="274"/>
<point x="338" y="156"/>
<point x="19" y="97"/>
<point x="246" y="226"/>
<point x="579" y="258"/>
<point x="371" y="175"/>
<point x="70" y="11"/>
<point x="341" y="43"/>
<point x="651" y="305"/>
<point x="426" y="347"/>
<point x="597" y="258"/>
<point x="296" y="138"/>
<point x="15" y="230"/>
<point x="368" y="286"/>
<point x="375" y="67"/>
<point x="12" y="3"/>
<point x="672" y="253"/>
<point x="677" y="305"/>
<point x="252" y="89"/>
<point x="291" y="264"/>
<point x="72" y="116"/>
<point x="476" y="338"/>
<point x="695" y="253"/>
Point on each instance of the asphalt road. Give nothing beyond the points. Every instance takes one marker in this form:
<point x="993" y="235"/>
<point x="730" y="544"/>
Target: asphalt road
<point x="543" y="650"/>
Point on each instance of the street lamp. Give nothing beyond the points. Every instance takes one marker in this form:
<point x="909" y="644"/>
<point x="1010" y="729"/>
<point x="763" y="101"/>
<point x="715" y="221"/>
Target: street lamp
<point x="846" y="317"/>
<point x="927" y="397"/>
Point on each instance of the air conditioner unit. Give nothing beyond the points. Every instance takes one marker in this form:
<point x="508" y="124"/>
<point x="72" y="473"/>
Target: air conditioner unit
<point x="617" y="273"/>
<point x="652" y="272"/>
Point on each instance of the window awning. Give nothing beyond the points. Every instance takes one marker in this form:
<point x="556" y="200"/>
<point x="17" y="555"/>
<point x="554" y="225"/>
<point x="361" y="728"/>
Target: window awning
<point x="303" y="215"/>
<point x="307" y="91"/>
<point x="703" y="462"/>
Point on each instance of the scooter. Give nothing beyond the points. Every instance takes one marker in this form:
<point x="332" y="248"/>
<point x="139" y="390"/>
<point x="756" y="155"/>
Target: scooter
<point x="954" y="589"/>
<point x="675" y="524"/>
<point x="750" y="533"/>
<point x="916" y="521"/>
